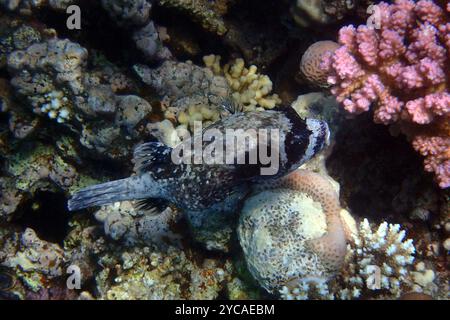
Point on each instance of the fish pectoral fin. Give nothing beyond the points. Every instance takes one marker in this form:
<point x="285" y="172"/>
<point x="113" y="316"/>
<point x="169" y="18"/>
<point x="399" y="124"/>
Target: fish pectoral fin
<point x="150" y="153"/>
<point x="151" y="206"/>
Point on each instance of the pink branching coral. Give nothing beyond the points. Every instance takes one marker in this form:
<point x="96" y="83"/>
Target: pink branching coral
<point x="437" y="153"/>
<point x="402" y="70"/>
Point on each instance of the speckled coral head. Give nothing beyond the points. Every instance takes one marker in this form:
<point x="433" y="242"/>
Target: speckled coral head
<point x="290" y="230"/>
<point x="310" y="64"/>
<point x="331" y="247"/>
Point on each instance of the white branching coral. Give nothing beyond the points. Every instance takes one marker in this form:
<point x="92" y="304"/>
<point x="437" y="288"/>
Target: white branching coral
<point x="305" y="289"/>
<point x="380" y="259"/>
<point x="55" y="107"/>
<point x="379" y="264"/>
<point x="249" y="89"/>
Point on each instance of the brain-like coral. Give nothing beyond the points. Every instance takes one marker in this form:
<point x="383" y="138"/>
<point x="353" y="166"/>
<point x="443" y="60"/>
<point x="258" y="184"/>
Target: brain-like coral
<point x="310" y="64"/>
<point x="291" y="231"/>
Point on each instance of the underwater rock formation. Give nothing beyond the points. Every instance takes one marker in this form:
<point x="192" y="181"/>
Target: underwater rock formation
<point x="147" y="272"/>
<point x="202" y="11"/>
<point x="310" y="13"/>
<point x="26" y="7"/>
<point x="39" y="167"/>
<point x="134" y="12"/>
<point x="401" y="69"/>
<point x="179" y="79"/>
<point x="52" y="77"/>
<point x="148" y="41"/>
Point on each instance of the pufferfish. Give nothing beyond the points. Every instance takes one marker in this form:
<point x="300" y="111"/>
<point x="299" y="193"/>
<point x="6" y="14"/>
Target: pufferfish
<point x="198" y="187"/>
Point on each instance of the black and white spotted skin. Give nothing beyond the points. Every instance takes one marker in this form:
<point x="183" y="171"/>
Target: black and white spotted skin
<point x="197" y="187"/>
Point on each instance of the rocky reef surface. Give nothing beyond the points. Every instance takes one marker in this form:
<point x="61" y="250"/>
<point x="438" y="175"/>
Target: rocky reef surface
<point x="367" y="218"/>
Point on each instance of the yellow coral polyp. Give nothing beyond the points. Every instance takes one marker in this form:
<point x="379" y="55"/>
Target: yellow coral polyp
<point x="213" y="63"/>
<point x="201" y="113"/>
<point x="250" y="89"/>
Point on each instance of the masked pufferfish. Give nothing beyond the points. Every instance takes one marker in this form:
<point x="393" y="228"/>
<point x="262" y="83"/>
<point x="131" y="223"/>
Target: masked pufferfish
<point x="198" y="188"/>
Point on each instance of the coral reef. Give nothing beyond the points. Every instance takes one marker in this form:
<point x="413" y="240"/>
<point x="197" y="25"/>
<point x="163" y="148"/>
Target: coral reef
<point x="176" y="80"/>
<point x="40" y="167"/>
<point x="402" y="70"/>
<point x="359" y="221"/>
<point x="154" y="275"/>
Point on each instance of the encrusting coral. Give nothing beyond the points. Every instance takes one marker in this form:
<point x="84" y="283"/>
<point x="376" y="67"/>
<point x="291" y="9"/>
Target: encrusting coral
<point x="35" y="260"/>
<point x="402" y="70"/>
<point x="122" y="221"/>
<point x="148" y="273"/>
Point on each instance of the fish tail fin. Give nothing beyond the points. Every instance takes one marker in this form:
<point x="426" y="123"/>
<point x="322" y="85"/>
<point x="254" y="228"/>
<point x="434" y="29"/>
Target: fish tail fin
<point x="133" y="188"/>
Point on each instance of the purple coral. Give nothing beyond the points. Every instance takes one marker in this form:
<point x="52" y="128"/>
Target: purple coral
<point x="401" y="70"/>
